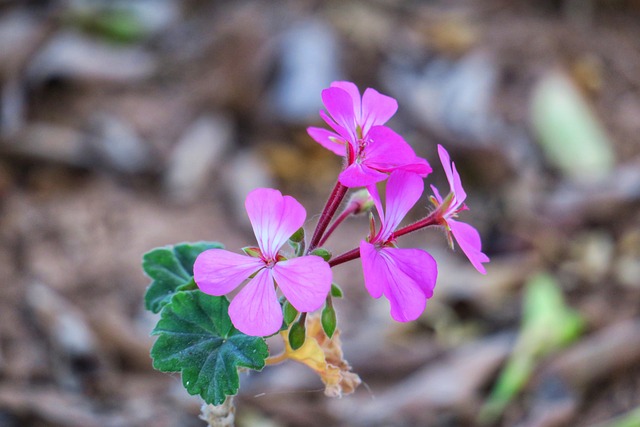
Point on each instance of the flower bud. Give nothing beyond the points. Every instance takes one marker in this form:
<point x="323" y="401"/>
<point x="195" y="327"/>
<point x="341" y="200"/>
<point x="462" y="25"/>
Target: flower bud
<point x="289" y="313"/>
<point x="329" y="320"/>
<point x="297" y="335"/>
<point x="362" y="200"/>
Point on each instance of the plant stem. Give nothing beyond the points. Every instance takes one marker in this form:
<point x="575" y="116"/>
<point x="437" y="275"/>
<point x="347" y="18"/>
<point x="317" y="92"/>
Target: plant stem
<point x="219" y="415"/>
<point x="347" y="256"/>
<point x="330" y="208"/>
<point x="274" y="360"/>
<point x="348" y="211"/>
<point x="432" y="219"/>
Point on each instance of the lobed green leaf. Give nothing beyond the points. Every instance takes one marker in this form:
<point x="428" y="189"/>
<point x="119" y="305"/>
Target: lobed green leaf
<point x="171" y="270"/>
<point x="196" y="338"/>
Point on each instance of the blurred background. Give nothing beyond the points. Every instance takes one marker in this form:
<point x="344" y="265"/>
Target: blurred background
<point x="126" y="125"/>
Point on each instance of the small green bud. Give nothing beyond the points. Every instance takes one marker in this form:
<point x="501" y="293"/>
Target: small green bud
<point x="363" y="201"/>
<point x="329" y="320"/>
<point x="289" y="312"/>
<point x="252" y="251"/>
<point x="297" y="335"/>
<point x="336" y="292"/>
<point x="298" y="236"/>
<point x="322" y="253"/>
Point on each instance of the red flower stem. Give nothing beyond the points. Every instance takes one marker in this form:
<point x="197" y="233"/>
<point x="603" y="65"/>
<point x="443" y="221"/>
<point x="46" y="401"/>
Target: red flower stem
<point x="347" y="256"/>
<point x="432" y="219"/>
<point x="335" y="198"/>
<point x="348" y="211"/>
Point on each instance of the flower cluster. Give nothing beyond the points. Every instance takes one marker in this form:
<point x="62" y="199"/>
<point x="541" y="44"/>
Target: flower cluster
<point x="372" y="153"/>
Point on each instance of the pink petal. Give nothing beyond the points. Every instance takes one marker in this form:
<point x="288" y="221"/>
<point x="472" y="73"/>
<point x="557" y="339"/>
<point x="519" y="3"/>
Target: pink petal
<point x="418" y="166"/>
<point x="340" y="106"/>
<point x="375" y="195"/>
<point x="274" y="218"/>
<point x="452" y="175"/>
<point x="377" y="109"/>
<point x="403" y="191"/>
<point x="360" y="175"/>
<point x="305" y="281"/>
<point x="386" y="150"/>
<point x="328" y="140"/>
<point x="336" y="127"/>
<point x="372" y="269"/>
<point x="469" y="240"/>
<point x="218" y="272"/>
<point x="405" y="276"/>
<point x="436" y="194"/>
<point x="353" y="91"/>
<point x="256" y="310"/>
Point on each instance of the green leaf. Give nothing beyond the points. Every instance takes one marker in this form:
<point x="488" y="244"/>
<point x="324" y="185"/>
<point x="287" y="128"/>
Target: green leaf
<point x="196" y="338"/>
<point x="171" y="270"/>
<point x="570" y="133"/>
<point x="548" y="324"/>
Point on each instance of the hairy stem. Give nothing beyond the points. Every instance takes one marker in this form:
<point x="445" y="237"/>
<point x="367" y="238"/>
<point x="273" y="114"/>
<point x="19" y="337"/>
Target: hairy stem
<point x="330" y="208"/>
<point x="348" y="211"/>
<point x="432" y="219"/>
<point x="347" y="256"/>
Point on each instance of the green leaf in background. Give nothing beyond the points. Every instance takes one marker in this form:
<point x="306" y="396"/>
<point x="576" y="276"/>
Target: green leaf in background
<point x="171" y="270"/>
<point x="196" y="338"/>
<point x="548" y="324"/>
<point x="569" y="132"/>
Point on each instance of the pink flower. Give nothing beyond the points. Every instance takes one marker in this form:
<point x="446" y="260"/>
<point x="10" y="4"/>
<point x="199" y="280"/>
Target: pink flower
<point x="372" y="151"/>
<point x="406" y="277"/>
<point x="304" y="281"/>
<point x="467" y="237"/>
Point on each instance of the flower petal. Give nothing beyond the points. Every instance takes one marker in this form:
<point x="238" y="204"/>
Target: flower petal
<point x="469" y="240"/>
<point x="386" y="150"/>
<point x="403" y="191"/>
<point x="339" y="104"/>
<point x="329" y="140"/>
<point x="371" y="265"/>
<point x="218" y="271"/>
<point x="418" y="166"/>
<point x="305" y="281"/>
<point x="274" y="218"/>
<point x="353" y="91"/>
<point x="336" y="127"/>
<point x="255" y="310"/>
<point x="360" y="175"/>
<point x="405" y="276"/>
<point x="436" y="194"/>
<point x="377" y="109"/>
<point x="452" y="175"/>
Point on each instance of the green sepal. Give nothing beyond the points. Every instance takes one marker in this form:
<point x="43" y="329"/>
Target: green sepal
<point x="298" y="236"/>
<point x="289" y="313"/>
<point x="297" y="335"/>
<point x="336" y="291"/>
<point x="170" y="268"/>
<point x="197" y="339"/>
<point x="322" y="253"/>
<point x="252" y="251"/>
<point x="328" y="320"/>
